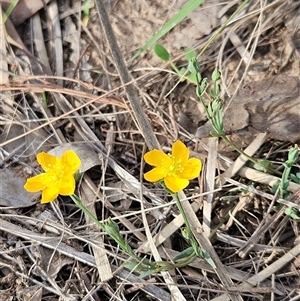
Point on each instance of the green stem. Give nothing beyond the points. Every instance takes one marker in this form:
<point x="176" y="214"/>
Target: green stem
<point x="175" y="68"/>
<point x="108" y="227"/>
<point x="179" y="205"/>
<point x="193" y="241"/>
<point x="79" y="204"/>
<point x="238" y="150"/>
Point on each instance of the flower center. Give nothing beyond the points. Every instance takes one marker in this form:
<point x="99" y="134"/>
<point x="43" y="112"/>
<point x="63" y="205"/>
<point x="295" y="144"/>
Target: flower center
<point x="53" y="175"/>
<point x="175" y="169"/>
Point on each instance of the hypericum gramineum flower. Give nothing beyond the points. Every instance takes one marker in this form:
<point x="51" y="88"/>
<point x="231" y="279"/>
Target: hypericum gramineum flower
<point x="175" y="169"/>
<point x="58" y="177"/>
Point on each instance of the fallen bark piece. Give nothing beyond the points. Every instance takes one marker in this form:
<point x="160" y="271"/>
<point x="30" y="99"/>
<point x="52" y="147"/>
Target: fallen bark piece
<point x="271" y="106"/>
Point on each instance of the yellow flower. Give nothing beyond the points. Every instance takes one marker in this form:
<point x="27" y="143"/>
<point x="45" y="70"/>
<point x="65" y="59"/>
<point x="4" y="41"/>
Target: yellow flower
<point x="58" y="177"/>
<point x="175" y="169"/>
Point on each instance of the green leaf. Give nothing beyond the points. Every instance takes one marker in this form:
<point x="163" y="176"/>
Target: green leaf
<point x="190" y="6"/>
<point x="293" y="154"/>
<point x="189" y="53"/>
<point x="275" y="187"/>
<point x="203" y="85"/>
<point x="205" y="255"/>
<point x="263" y="165"/>
<point x="185" y="253"/>
<point x="214" y="134"/>
<point x="9" y="10"/>
<point x="285" y="185"/>
<point x="193" y="66"/>
<point x="216" y="75"/>
<point x="292" y="213"/>
<point x="139" y="266"/>
<point x="295" y="178"/>
<point x="185" y="233"/>
<point x="161" y="52"/>
<point x="192" y="78"/>
<point x="182" y="71"/>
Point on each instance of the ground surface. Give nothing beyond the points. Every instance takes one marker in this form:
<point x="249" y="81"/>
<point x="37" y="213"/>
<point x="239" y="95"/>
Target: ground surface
<point x="60" y="90"/>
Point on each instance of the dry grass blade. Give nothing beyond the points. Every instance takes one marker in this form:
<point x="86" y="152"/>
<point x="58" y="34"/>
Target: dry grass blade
<point x="101" y="258"/>
<point x="3" y="64"/>
<point x="210" y="183"/>
<point x="263" y="178"/>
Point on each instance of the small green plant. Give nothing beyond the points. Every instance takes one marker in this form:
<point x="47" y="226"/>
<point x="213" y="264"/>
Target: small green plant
<point x="213" y="109"/>
<point x="174" y="171"/>
<point x="214" y="113"/>
<point x="286" y="177"/>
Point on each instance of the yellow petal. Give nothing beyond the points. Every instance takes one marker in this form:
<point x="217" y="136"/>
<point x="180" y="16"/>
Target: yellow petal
<point x="67" y="186"/>
<point x="156" y="174"/>
<point x="49" y="194"/>
<point x="175" y="184"/>
<point x="47" y="161"/>
<point x="70" y="162"/>
<point x="157" y="158"/>
<point x="35" y="184"/>
<point x="180" y="152"/>
<point x="191" y="169"/>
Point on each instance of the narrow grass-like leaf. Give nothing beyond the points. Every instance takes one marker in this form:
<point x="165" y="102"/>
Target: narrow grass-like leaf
<point x="86" y="7"/>
<point x="184" y="12"/>
<point x="86" y="12"/>
<point x="10" y="8"/>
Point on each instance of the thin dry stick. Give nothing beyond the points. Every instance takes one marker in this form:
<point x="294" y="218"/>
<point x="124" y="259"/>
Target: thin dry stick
<point x="56" y="41"/>
<point x="100" y="255"/>
<point x="142" y="121"/>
